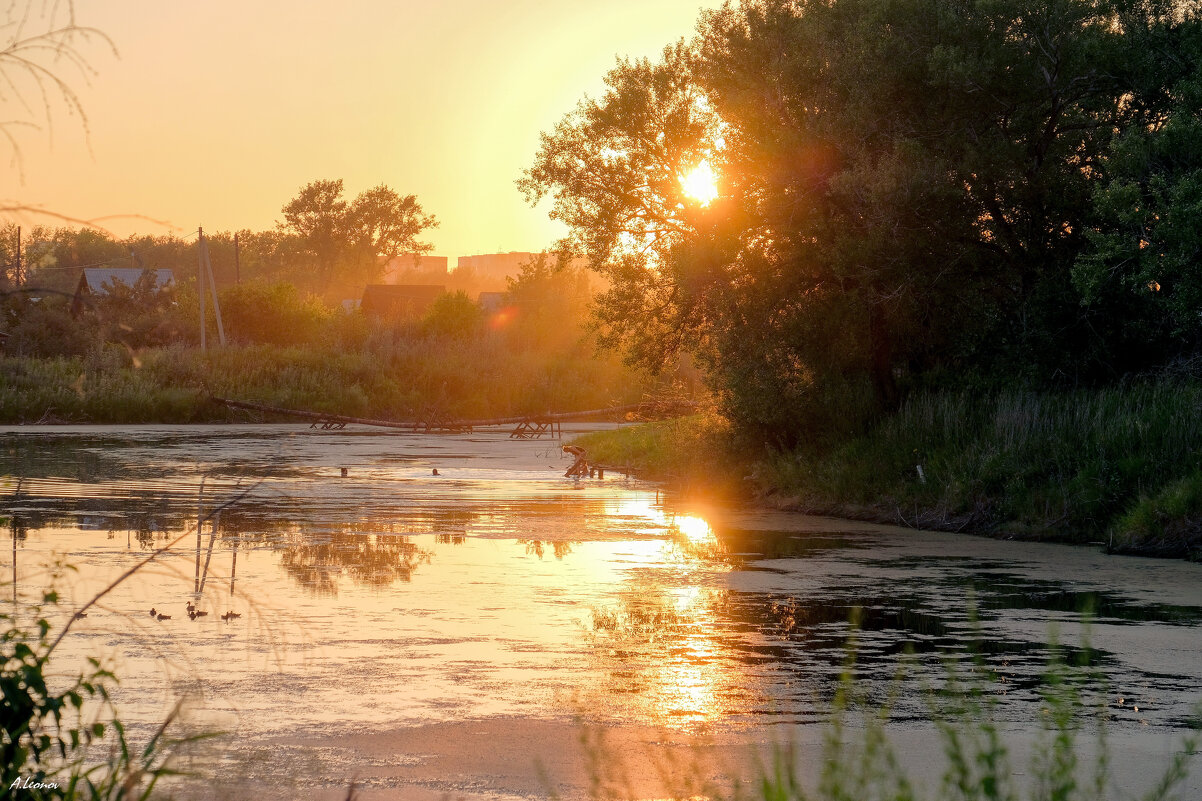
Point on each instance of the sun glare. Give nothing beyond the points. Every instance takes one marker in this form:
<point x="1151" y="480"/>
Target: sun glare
<point x="701" y="184"/>
<point x="695" y="528"/>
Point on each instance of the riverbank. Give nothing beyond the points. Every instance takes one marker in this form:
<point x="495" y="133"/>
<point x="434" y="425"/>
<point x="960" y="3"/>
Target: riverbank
<point x="388" y="378"/>
<point x="512" y="758"/>
<point x="1119" y="466"/>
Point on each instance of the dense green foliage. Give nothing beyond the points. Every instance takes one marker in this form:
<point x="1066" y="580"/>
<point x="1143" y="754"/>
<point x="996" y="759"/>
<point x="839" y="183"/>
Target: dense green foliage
<point x="453" y="315"/>
<point x="1118" y="465"/>
<point x="912" y="194"/>
<point x="269" y="313"/>
<point x="1169" y="523"/>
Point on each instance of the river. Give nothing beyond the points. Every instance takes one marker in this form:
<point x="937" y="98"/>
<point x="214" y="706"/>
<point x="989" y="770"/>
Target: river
<point x="440" y="634"/>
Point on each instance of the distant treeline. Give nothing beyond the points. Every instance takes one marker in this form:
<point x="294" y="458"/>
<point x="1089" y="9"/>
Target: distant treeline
<point x="324" y="245"/>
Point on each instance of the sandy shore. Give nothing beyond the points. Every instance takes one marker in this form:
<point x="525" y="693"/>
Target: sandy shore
<point x="517" y="758"/>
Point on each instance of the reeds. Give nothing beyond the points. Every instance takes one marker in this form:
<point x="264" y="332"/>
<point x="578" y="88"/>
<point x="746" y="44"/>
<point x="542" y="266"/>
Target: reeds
<point x="1120" y="465"/>
<point x="863" y="757"/>
<point x="1055" y="465"/>
<point x="385" y="376"/>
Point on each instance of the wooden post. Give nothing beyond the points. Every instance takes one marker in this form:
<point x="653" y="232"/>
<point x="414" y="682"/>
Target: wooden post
<point x="18" y="276"/>
<point x="237" y="262"/>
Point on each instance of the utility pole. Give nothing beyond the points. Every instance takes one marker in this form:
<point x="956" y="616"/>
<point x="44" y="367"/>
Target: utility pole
<point x="200" y="290"/>
<point x="206" y="268"/>
<point x="18" y="276"/>
<point x="237" y="264"/>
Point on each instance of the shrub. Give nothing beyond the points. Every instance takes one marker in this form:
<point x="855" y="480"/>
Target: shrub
<point x="271" y="313"/>
<point x="46" y="329"/>
<point x="454" y="316"/>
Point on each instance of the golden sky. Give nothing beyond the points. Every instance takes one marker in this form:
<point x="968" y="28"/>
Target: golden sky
<point x="215" y="113"/>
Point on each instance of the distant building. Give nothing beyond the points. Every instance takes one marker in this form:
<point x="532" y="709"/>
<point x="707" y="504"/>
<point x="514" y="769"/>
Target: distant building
<point x="409" y="266"/>
<point x="101" y="280"/>
<point x="399" y="301"/>
<point x="491" y="301"/>
<point x="497" y="266"/>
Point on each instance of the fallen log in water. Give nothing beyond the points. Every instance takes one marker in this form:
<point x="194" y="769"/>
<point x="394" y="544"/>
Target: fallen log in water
<point x="319" y="417"/>
<point x="444" y="425"/>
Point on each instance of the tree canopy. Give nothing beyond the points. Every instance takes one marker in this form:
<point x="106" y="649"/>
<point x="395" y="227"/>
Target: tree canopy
<point x="350" y="240"/>
<point x="909" y="192"/>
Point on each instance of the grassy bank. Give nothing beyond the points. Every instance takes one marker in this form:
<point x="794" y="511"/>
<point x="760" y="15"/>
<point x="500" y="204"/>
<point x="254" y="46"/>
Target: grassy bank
<point x="1122" y="466"/>
<point x="396" y="379"/>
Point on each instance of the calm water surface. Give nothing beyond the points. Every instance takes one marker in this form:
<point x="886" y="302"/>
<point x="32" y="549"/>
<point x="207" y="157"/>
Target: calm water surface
<point x="392" y="597"/>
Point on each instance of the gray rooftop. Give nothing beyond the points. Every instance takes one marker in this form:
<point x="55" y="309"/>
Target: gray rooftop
<point x="101" y="279"/>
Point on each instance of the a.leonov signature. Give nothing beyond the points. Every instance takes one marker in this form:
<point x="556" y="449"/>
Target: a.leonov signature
<point x="26" y="783"/>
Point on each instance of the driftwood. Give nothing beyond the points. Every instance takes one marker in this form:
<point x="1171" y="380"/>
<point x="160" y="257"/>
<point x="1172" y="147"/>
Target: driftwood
<point x="579" y="468"/>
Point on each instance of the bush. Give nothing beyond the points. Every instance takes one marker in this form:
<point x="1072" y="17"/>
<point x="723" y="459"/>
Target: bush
<point x="45" y="329"/>
<point x="274" y="313"/>
<point x="454" y="316"/>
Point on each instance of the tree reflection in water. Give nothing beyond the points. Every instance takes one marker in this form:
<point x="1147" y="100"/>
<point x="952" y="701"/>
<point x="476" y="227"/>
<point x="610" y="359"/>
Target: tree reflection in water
<point x="560" y="548"/>
<point x="374" y="550"/>
<point x="668" y="653"/>
<point x="374" y="560"/>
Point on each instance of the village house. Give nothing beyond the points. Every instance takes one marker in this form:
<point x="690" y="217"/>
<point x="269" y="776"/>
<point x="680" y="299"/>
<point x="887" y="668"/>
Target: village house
<point x="399" y="301"/>
<point x="98" y="281"/>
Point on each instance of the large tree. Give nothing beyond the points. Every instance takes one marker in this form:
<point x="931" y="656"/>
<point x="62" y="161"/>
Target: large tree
<point x="350" y="241"/>
<point x="905" y="188"/>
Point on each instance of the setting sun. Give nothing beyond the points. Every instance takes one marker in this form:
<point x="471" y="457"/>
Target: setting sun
<point x="701" y="183"/>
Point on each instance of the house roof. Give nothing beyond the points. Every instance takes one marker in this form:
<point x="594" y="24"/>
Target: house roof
<point x="399" y="298"/>
<point x="101" y="279"/>
<point x="404" y="291"/>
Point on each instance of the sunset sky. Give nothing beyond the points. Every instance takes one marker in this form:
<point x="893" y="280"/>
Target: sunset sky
<point x="216" y="113"/>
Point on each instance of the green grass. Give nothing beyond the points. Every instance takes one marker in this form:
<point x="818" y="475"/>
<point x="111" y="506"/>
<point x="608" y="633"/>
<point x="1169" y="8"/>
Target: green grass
<point x="1170" y="522"/>
<point x="694" y="452"/>
<point x="1120" y="465"/>
<point x="384" y="377"/>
